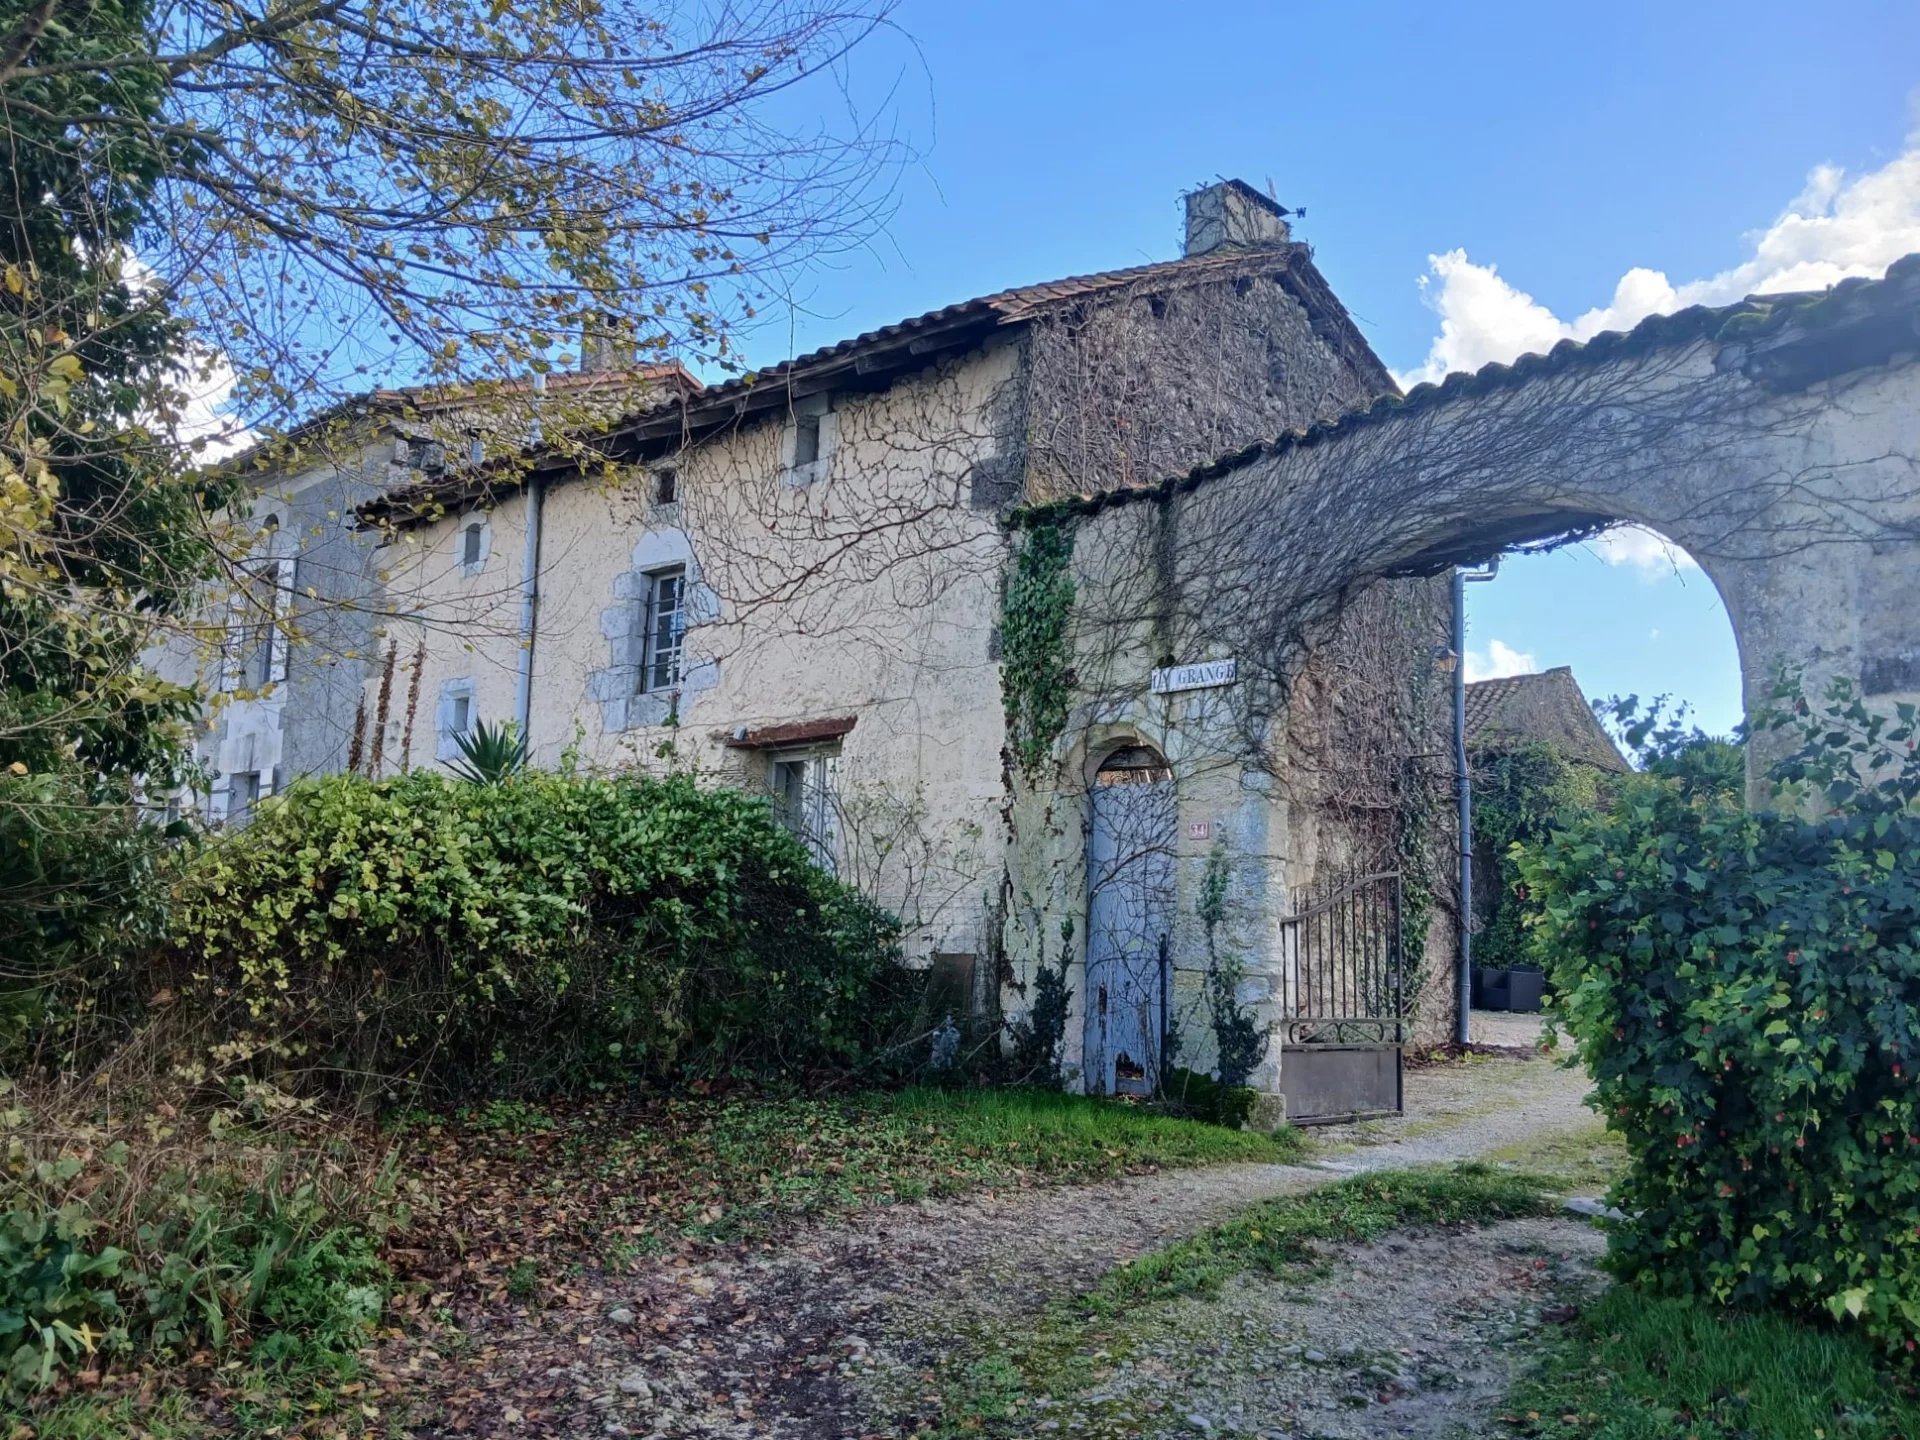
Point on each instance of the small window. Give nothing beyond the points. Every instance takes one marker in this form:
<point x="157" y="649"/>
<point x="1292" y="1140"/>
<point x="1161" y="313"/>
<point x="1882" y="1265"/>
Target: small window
<point x="666" y="485"/>
<point x="243" y="793"/>
<point x="427" y="456"/>
<point x="803" y="798"/>
<point x="1133" y="765"/>
<point x="470" y="544"/>
<point x="807" y="447"/>
<point x="806" y="439"/>
<point x="255" y="645"/>
<point x="666" y="626"/>
<point x="459" y="711"/>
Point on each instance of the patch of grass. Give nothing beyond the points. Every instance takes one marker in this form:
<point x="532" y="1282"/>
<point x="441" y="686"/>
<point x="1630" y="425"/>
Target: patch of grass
<point x="523" y="1279"/>
<point x="323" y="1396"/>
<point x="629" y="1178"/>
<point x="1280" y="1234"/>
<point x="1082" y="1133"/>
<point x="1635" y="1367"/>
<point x="989" y="1386"/>
<point x="90" y="1417"/>
<point x="1582" y="1161"/>
<point x="515" y="1117"/>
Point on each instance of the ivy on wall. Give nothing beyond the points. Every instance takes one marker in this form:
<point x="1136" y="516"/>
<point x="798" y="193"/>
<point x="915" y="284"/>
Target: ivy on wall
<point x="1518" y="795"/>
<point x="1413" y="848"/>
<point x="1036" y="671"/>
<point x="1239" y="1039"/>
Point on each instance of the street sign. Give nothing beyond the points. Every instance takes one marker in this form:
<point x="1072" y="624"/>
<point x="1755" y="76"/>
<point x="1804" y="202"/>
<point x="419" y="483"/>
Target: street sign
<point x="1207" y="675"/>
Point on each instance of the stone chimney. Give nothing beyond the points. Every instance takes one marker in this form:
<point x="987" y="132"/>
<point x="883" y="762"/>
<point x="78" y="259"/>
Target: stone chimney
<point x="1233" y="213"/>
<point x="605" y="347"/>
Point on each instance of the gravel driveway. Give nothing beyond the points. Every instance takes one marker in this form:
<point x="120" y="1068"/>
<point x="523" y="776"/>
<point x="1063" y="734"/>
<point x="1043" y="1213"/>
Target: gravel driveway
<point x="834" y="1332"/>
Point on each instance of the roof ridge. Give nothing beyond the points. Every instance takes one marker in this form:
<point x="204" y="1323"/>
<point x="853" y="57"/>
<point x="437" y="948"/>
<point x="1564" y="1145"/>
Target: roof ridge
<point x="1747" y="319"/>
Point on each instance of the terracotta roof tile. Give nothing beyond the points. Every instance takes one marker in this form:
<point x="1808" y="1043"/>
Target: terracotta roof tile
<point x="1751" y="324"/>
<point x="1548" y="708"/>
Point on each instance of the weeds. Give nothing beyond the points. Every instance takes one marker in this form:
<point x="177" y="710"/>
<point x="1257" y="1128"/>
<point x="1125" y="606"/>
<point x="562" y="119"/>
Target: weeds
<point x="523" y="1279"/>
<point x="1281" y="1234"/>
<point x="1639" y="1367"/>
<point x="131" y="1231"/>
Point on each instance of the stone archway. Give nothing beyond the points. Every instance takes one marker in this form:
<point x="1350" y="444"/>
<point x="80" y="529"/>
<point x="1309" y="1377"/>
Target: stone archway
<point x="1776" y="441"/>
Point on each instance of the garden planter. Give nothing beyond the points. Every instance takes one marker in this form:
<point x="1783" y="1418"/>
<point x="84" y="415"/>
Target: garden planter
<point x="1497" y="989"/>
<point x="1524" y="989"/>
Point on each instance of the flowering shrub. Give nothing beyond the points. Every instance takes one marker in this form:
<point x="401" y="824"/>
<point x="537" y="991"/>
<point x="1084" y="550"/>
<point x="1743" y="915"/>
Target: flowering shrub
<point x="1745" y="990"/>
<point x="552" y="929"/>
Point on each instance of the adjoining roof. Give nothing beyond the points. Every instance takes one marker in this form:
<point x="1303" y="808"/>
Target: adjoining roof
<point x="873" y="360"/>
<point x="1547" y="709"/>
<point x="1783" y="342"/>
<point x="614" y="389"/>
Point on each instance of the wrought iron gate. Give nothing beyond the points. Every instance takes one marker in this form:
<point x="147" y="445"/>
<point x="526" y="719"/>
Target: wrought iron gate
<point x="1343" y="1029"/>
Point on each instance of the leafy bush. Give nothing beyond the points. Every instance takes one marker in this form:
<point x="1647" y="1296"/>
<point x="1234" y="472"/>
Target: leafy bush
<point x="1040" y="1036"/>
<point x="1745" y="990"/>
<point x="548" y="930"/>
<point x="82" y="890"/>
<point x="1208" y="1099"/>
<point x="1240" y="1037"/>
<point x="1519" y="793"/>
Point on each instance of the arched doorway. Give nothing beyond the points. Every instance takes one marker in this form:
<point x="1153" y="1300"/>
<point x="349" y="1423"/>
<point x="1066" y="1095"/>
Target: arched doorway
<point x="1130" y="911"/>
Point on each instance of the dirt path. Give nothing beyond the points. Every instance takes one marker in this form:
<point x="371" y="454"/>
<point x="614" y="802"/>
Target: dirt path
<point x="795" y="1342"/>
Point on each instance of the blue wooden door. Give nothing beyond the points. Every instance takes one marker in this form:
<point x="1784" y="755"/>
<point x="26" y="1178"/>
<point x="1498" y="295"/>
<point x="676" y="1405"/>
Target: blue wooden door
<point x="1130" y="906"/>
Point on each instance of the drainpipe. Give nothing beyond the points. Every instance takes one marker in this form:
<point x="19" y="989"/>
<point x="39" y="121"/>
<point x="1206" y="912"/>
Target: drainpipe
<point x="1464" y="786"/>
<point x="530" y="581"/>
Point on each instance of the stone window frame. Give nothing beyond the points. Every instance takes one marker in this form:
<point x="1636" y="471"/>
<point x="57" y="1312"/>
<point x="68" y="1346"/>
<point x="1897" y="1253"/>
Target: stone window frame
<point x="255" y="646"/>
<point x="473" y="521"/>
<point x="615" y="687"/>
<point x="812" y="424"/>
<point x="452" y="692"/>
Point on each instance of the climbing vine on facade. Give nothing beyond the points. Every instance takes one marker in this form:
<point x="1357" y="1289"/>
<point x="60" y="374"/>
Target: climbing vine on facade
<point x="1518" y="795"/>
<point x="1239" y="1038"/>
<point x="1036" y="669"/>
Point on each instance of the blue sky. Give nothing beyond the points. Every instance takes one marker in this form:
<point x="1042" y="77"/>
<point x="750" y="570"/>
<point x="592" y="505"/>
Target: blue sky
<point x="1541" y="152"/>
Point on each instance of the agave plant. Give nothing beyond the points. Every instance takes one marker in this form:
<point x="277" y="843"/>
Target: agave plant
<point x="491" y="754"/>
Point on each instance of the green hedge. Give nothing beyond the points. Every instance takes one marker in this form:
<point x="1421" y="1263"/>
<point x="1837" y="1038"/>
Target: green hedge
<point x="549" y="931"/>
<point x="1745" y="990"/>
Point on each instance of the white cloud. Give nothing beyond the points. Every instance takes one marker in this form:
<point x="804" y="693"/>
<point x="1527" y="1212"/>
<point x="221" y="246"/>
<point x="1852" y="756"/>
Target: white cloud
<point x="1836" y="227"/>
<point x="1633" y="547"/>
<point x="204" y="423"/>
<point x="1497" y="661"/>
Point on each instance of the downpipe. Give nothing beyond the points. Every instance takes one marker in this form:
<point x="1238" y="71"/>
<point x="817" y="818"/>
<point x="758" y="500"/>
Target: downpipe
<point x="1463" y="785"/>
<point x="530" y="584"/>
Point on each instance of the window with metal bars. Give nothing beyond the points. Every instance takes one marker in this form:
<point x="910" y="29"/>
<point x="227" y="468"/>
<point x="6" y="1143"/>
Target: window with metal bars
<point x="666" y="626"/>
<point x="803" y="784"/>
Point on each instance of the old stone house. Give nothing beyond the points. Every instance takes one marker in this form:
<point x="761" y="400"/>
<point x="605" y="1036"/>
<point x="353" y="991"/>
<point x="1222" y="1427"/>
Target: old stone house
<point x="808" y="581"/>
<point x="290" y="640"/>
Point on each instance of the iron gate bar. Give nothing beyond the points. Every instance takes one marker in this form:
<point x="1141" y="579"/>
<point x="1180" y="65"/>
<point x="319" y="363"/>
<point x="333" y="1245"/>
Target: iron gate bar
<point x="1343" y="1042"/>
